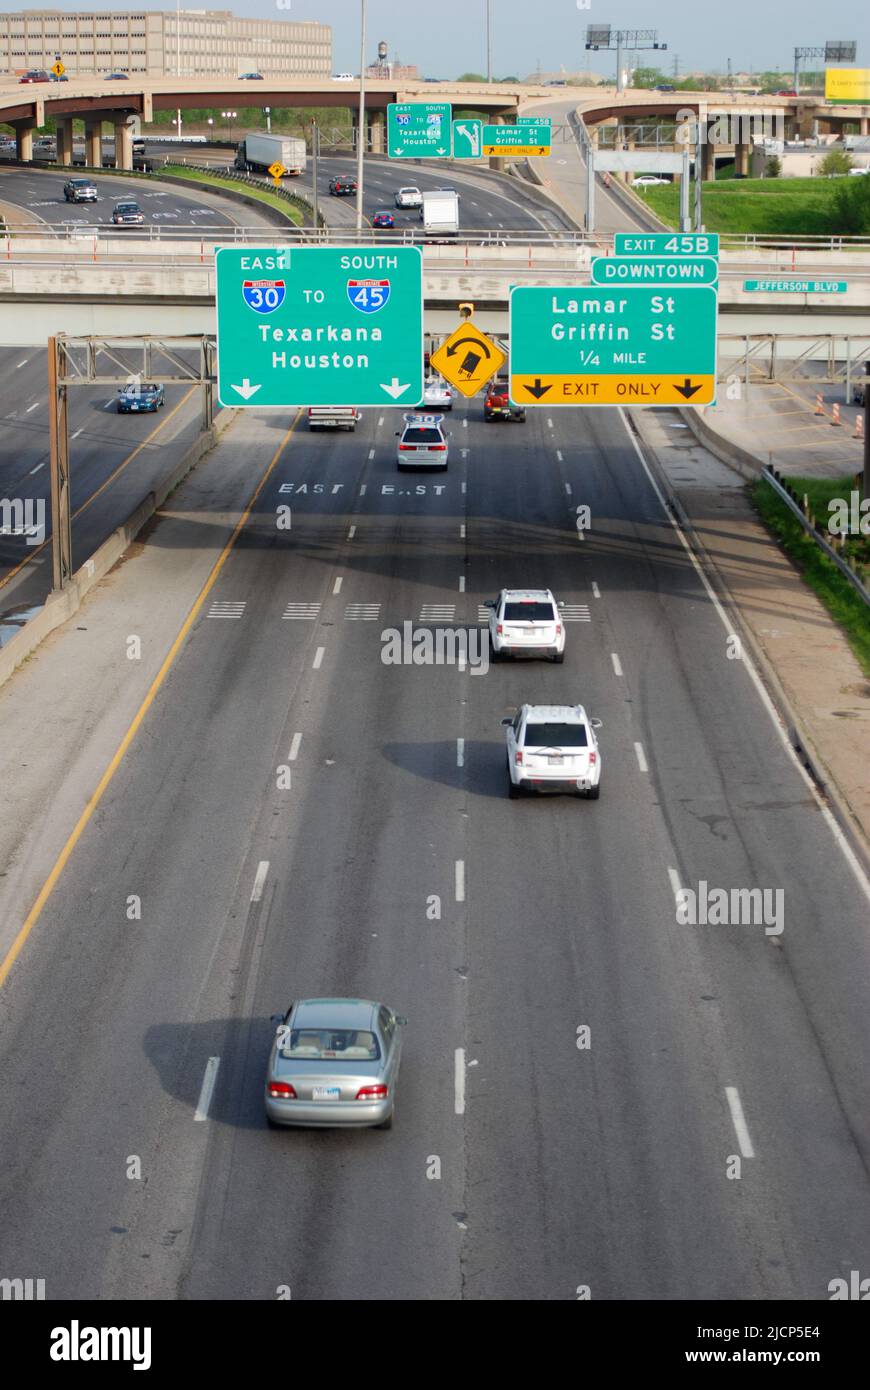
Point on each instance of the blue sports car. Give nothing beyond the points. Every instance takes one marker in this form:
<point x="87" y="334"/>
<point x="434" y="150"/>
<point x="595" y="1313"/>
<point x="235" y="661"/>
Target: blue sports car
<point x="140" y="395"/>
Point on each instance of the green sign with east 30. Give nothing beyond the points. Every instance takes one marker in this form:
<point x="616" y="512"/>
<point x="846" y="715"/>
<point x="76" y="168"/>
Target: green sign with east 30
<point x="666" y="244"/>
<point x="418" y="129"/>
<point x="319" y="325"/>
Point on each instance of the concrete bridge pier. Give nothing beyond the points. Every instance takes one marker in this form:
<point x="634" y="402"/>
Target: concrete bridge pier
<point x="123" y="141"/>
<point x="377" y="132"/>
<point x="24" y="131"/>
<point x="741" y="158"/>
<point x="64" y="127"/>
<point x="93" y="144"/>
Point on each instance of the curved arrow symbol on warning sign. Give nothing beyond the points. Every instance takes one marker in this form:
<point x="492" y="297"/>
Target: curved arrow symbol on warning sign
<point x="473" y="342"/>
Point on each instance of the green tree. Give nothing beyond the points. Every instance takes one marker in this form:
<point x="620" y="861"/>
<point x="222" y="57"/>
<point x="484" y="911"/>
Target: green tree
<point x="471" y="77"/>
<point x="835" y="163"/>
<point x="773" y="167"/>
<point x="507" y="79"/>
<point x="852" y="207"/>
<point x="646" y="77"/>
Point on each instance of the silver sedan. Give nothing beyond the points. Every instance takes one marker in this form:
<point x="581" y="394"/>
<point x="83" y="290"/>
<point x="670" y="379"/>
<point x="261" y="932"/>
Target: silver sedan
<point x="334" y="1062"/>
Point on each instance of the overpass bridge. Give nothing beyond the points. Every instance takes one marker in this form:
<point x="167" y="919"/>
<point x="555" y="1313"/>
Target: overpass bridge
<point x="94" y="100"/>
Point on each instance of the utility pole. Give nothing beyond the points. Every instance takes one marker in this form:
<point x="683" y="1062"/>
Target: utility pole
<point x="315" y="151"/>
<point x="361" y="128"/>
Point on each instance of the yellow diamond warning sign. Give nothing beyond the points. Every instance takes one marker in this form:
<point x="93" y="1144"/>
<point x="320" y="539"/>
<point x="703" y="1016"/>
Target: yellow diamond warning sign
<point x="468" y="359"/>
<point x="277" y="170"/>
<point x="58" y="69"/>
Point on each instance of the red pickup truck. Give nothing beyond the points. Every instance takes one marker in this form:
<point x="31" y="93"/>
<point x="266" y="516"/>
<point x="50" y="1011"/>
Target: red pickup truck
<point x="497" y="405"/>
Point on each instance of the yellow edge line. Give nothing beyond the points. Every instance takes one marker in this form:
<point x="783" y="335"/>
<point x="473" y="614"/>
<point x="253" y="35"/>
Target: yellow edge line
<point x="121" y="466"/>
<point x="97" y="795"/>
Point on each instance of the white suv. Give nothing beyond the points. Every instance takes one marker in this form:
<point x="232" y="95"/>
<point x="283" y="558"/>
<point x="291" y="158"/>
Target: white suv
<point x="422" y="442"/>
<point x="526" y="622"/>
<point x="553" y="748"/>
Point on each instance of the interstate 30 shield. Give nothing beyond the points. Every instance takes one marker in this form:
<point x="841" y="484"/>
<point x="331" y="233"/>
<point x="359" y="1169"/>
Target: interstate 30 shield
<point x="264" y="295"/>
<point x="368" y="295"/>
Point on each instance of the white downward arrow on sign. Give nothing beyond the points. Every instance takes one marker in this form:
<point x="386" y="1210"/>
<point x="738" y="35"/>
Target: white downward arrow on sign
<point x="395" y="389"/>
<point x="246" y="390"/>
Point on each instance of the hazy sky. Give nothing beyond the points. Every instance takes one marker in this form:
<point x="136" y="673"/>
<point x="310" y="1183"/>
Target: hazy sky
<point x="446" y="37"/>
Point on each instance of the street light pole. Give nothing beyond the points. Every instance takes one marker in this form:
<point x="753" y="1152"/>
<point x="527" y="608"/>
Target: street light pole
<point x="361" y="127"/>
<point x="268" y="110"/>
<point x="489" y="40"/>
<point x="178" y="62"/>
<point x="315" y="151"/>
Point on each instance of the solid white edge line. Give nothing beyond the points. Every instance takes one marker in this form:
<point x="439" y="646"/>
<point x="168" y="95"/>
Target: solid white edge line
<point x="260" y="880"/>
<point x="294" y="748"/>
<point x="460" y="752"/>
<point x="459" y="1081"/>
<point x="460" y="881"/>
<point x="846" y="849"/>
<point x="617" y="665"/>
<point x="738" y="1119"/>
<point x="207" y="1089"/>
<point x="641" y="757"/>
<point x="318" y="657"/>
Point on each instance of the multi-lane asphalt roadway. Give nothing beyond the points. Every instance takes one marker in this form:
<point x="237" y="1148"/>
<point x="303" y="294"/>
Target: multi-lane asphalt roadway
<point x="114" y="462"/>
<point x="708" y="1139"/>
<point x="39" y="192"/>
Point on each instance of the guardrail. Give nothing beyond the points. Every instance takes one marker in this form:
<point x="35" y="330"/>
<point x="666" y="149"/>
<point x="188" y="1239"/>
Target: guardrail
<point x="812" y="528"/>
<point x="369" y="236"/>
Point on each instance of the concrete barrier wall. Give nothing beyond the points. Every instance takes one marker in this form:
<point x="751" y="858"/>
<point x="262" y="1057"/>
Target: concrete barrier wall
<point x="59" y="607"/>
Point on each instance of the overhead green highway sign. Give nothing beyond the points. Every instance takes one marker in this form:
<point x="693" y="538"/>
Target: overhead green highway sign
<point x="319" y="325"/>
<point x="666" y="243"/>
<point x="467" y="139"/>
<point x="655" y="270"/>
<point x="525" y="139"/>
<point x="418" y="129"/>
<point x="620" y="345"/>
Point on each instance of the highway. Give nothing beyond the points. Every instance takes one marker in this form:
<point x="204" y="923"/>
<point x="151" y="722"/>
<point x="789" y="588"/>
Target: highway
<point x="114" y="462"/>
<point x="40" y="193"/>
<point x="521" y="1165"/>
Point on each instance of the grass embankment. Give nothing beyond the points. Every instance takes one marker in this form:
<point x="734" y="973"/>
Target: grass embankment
<point x="781" y="207"/>
<point x="262" y="195"/>
<point x="842" y="601"/>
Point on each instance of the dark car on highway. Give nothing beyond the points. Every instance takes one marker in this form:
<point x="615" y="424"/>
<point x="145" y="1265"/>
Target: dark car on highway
<point x="80" y="191"/>
<point x="140" y="396"/>
<point x="383" y="219"/>
<point x="35" y="75"/>
<point x="342" y="185"/>
<point x="117" y="77"/>
<point x="127" y="215"/>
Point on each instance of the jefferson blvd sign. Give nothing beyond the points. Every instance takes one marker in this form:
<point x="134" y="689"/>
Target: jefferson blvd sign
<point x="625" y="345"/>
<point x="319" y="325"/>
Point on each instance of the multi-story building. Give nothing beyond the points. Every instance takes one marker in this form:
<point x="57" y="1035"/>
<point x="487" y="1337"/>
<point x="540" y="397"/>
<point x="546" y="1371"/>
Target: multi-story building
<point x="206" y="43"/>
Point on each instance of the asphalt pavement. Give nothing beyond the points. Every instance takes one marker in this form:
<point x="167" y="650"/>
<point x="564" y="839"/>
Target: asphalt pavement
<point x="710" y="1138"/>
<point x="40" y="193"/>
<point x="114" y="462"/>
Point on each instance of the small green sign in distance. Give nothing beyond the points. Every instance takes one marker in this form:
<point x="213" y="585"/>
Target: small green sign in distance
<point x="539" y="133"/>
<point x="319" y="325"/>
<point x="418" y="129"/>
<point x="666" y="243"/>
<point x="467" y="139"/>
<point x="655" y="270"/>
<point x="796" y="286"/>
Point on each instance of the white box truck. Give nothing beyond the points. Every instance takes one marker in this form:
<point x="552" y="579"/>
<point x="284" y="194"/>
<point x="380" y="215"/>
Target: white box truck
<point x="257" y="153"/>
<point x="440" y="212"/>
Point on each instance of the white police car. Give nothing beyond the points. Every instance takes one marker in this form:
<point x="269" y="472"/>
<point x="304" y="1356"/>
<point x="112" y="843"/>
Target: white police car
<point x="422" y="442"/>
